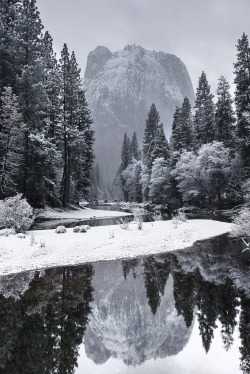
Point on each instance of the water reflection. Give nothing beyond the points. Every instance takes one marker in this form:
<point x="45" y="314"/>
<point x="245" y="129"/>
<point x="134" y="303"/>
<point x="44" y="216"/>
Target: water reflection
<point x="132" y="310"/>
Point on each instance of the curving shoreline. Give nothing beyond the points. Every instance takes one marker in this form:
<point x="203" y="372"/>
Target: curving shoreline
<point x="104" y="243"/>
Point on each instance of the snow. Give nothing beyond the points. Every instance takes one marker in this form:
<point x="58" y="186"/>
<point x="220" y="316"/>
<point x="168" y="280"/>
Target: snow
<point x="43" y="249"/>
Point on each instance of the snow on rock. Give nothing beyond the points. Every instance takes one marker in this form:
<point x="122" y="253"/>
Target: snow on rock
<point x="97" y="244"/>
<point x="120" y="88"/>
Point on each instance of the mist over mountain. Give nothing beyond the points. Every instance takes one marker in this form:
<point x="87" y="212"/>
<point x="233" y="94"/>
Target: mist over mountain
<point x="120" y="88"/>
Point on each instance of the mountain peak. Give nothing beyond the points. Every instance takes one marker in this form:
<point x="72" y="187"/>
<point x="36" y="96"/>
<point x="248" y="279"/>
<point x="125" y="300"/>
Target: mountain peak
<point x="96" y="60"/>
<point x="120" y="88"/>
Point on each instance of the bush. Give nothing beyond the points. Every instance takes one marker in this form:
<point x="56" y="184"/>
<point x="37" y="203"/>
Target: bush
<point x="179" y="218"/>
<point x="138" y="216"/>
<point x="16" y="213"/>
<point x="82" y="228"/>
<point x="60" y="230"/>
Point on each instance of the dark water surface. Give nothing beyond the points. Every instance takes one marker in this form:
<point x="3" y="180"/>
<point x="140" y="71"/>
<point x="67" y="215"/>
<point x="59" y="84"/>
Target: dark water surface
<point x="182" y="312"/>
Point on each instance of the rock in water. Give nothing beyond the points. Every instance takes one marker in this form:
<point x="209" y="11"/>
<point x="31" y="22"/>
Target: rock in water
<point x="120" y="88"/>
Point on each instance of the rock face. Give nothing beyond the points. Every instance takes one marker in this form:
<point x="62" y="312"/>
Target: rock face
<point x="120" y="88"/>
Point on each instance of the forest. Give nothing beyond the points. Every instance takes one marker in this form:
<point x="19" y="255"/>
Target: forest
<point x="47" y="140"/>
<point x="207" y="160"/>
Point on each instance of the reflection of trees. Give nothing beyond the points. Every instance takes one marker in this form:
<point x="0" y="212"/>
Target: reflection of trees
<point x="212" y="301"/>
<point x="184" y="295"/>
<point x="245" y="334"/>
<point x="46" y="326"/>
<point x="128" y="265"/>
<point x="155" y="276"/>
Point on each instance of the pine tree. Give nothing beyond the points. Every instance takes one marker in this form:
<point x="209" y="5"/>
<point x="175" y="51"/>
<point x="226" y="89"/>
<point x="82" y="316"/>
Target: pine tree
<point x="242" y="101"/>
<point x="11" y="143"/>
<point x="126" y="152"/>
<point x="33" y="101"/>
<point x="137" y="184"/>
<point x="182" y="131"/>
<point x="135" y="147"/>
<point x="152" y="122"/>
<point x="9" y="68"/>
<point x="204" y="130"/>
<point x="224" y="115"/>
<point x="186" y="141"/>
<point x="65" y="76"/>
<point x="126" y="161"/>
<point x="159" y="145"/>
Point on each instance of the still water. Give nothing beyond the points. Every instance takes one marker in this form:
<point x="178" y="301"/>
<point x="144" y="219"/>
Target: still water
<point x="184" y="312"/>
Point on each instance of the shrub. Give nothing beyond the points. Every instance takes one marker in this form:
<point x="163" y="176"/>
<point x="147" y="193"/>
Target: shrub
<point x="60" y="230"/>
<point x="179" y="218"/>
<point x="138" y="216"/>
<point x="16" y="213"/>
<point x="82" y="228"/>
<point x="124" y="223"/>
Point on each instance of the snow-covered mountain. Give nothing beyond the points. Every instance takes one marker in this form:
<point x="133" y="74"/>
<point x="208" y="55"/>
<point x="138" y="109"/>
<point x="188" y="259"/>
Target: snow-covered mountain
<point x="122" y="324"/>
<point x="120" y="88"/>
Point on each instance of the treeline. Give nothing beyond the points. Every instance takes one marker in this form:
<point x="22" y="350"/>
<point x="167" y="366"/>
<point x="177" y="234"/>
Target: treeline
<point x="46" y="140"/>
<point x="207" y="161"/>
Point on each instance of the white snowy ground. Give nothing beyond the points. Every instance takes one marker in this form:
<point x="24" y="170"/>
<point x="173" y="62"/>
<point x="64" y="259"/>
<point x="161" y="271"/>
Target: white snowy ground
<point x="100" y="244"/>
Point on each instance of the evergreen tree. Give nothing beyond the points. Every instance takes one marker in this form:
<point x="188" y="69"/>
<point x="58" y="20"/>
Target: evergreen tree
<point x="126" y="152"/>
<point x="34" y="102"/>
<point x="186" y="125"/>
<point x="182" y="132"/>
<point x="11" y="143"/>
<point x="159" y="145"/>
<point x="176" y="131"/>
<point x="204" y="131"/>
<point x="152" y="122"/>
<point x="8" y="47"/>
<point x="224" y="115"/>
<point x="159" y="186"/>
<point x="66" y="110"/>
<point x="135" y="147"/>
<point x="137" y="183"/>
<point x="242" y="101"/>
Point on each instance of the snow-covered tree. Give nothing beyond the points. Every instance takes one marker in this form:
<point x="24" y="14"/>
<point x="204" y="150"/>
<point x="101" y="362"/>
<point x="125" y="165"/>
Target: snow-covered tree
<point x="128" y="182"/>
<point x="16" y="213"/>
<point x="204" y="178"/>
<point x="204" y="130"/>
<point x="159" y="186"/>
<point x="137" y="183"/>
<point x="159" y="145"/>
<point x="182" y="128"/>
<point x="135" y="153"/>
<point x="242" y="101"/>
<point x="152" y="122"/>
<point x="11" y="143"/>
<point x="224" y="115"/>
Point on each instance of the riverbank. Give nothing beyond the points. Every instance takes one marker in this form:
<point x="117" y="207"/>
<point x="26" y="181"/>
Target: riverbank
<point x="44" y="249"/>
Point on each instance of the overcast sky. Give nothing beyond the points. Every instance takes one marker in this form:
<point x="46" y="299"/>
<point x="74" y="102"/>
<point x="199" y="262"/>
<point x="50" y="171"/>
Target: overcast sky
<point x="203" y="33"/>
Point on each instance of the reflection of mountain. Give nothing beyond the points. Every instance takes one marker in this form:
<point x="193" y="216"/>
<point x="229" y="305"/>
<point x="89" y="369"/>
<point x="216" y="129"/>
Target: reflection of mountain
<point x="122" y="324"/>
<point x="142" y="309"/>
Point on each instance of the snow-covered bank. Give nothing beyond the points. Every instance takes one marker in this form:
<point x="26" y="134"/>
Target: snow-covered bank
<point x="43" y="249"/>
